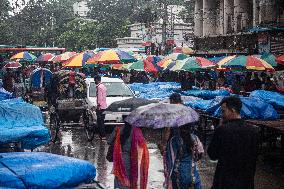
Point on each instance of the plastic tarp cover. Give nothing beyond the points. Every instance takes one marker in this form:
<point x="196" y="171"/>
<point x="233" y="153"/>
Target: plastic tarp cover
<point x="22" y="122"/>
<point x="252" y="108"/>
<point x="206" y="94"/>
<point x="273" y="98"/>
<point x="4" y="95"/>
<point x="155" y="90"/>
<point x="43" y="170"/>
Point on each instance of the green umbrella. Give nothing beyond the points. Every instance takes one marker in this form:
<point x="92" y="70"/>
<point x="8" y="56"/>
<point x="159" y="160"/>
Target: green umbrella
<point x="269" y="58"/>
<point x="138" y="66"/>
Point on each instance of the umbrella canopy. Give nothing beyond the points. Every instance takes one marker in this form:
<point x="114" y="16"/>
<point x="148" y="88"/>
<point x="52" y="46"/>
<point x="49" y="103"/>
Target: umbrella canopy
<point x="13" y="65"/>
<point x="63" y="57"/>
<point x="23" y="56"/>
<point x="78" y="60"/>
<point x="176" y="56"/>
<point x="192" y="64"/>
<point x="121" y="66"/>
<point x="165" y="62"/>
<point x="247" y="62"/>
<point x="280" y="59"/>
<point x="269" y="58"/>
<point x="111" y="57"/>
<point x="128" y="105"/>
<point x="45" y="57"/>
<point x="160" y="115"/>
<point x="138" y="66"/>
<point x="184" y="50"/>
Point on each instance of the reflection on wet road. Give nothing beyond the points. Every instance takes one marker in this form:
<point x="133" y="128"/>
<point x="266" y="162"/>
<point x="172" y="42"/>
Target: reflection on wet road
<point x="73" y="143"/>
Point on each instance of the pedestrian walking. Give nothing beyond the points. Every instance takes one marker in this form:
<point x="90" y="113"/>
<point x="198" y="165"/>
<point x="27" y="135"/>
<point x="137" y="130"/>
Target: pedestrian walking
<point x="234" y="145"/>
<point x="101" y="105"/>
<point x="129" y="153"/>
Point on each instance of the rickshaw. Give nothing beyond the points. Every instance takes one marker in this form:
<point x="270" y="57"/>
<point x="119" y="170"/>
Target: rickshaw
<point x="67" y="96"/>
<point x="39" y="84"/>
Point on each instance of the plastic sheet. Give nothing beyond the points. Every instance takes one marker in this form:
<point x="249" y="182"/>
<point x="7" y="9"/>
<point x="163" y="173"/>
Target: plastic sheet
<point x="22" y="122"/>
<point x="206" y="94"/>
<point x="273" y="98"/>
<point x="252" y="108"/>
<point x="43" y="170"/>
<point x="4" y="95"/>
<point x="157" y="90"/>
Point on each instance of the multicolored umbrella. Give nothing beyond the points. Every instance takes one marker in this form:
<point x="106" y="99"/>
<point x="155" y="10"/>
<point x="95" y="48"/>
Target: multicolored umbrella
<point x="184" y="50"/>
<point x="78" y="60"/>
<point x="280" y="59"/>
<point x="121" y="66"/>
<point x="13" y="65"/>
<point x="23" y="56"/>
<point x="63" y="57"/>
<point x="176" y="56"/>
<point x="144" y="65"/>
<point x="269" y="58"/>
<point x="137" y="66"/>
<point x="192" y="64"/>
<point x="111" y="57"/>
<point x="45" y="57"/>
<point x="247" y="62"/>
<point x="161" y="115"/>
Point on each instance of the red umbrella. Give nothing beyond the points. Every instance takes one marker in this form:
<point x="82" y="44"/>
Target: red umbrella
<point x="280" y="59"/>
<point x="13" y="65"/>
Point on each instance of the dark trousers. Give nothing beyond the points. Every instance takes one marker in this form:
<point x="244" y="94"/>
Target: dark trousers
<point x="101" y="122"/>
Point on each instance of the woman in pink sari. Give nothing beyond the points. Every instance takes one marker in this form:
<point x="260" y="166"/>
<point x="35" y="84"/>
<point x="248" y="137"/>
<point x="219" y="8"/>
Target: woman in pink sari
<point x="130" y="158"/>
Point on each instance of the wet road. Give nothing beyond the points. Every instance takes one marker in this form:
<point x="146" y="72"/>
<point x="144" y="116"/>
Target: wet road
<point x="73" y="144"/>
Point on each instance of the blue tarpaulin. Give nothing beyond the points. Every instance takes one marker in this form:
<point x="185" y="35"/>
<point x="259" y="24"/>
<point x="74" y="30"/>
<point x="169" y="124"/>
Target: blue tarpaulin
<point x="4" y="95"/>
<point x="273" y="98"/>
<point x="206" y="94"/>
<point x="252" y="108"/>
<point x="157" y="90"/>
<point x="22" y="122"/>
<point x="43" y="170"/>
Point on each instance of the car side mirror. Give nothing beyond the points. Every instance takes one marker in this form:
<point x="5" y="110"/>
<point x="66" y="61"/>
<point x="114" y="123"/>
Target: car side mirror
<point x="136" y="93"/>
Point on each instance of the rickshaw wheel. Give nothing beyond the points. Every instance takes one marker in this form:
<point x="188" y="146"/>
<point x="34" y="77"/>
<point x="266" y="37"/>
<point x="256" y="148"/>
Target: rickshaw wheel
<point x="54" y="127"/>
<point x="89" y="127"/>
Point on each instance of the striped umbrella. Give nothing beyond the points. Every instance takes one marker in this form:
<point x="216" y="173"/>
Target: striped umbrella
<point x="247" y="62"/>
<point x="177" y="56"/>
<point x="45" y="57"/>
<point x="269" y="58"/>
<point x="184" y="50"/>
<point x="78" y="60"/>
<point x="23" y="56"/>
<point x="138" y="66"/>
<point x="63" y="57"/>
<point x="13" y="65"/>
<point x="111" y="57"/>
<point x="192" y="64"/>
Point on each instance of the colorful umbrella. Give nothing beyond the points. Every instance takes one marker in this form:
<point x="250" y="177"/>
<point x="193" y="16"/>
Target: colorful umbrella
<point x="63" y="57"/>
<point x="160" y="115"/>
<point x="111" y="57"/>
<point x="184" y="50"/>
<point x="247" y="62"/>
<point x="13" y="65"/>
<point x="78" y="60"/>
<point x="138" y="66"/>
<point x="176" y="56"/>
<point x="23" y="56"/>
<point x="280" y="59"/>
<point x="192" y="64"/>
<point x="121" y="66"/>
<point x="45" y="57"/>
<point x="269" y="58"/>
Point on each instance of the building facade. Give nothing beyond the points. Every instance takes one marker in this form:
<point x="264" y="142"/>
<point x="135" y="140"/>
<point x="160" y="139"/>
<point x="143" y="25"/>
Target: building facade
<point x="178" y="31"/>
<point x="81" y="9"/>
<point x="226" y="25"/>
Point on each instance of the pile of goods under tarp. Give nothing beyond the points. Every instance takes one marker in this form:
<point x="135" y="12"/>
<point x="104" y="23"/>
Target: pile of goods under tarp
<point x="260" y="105"/>
<point x="22" y="122"/>
<point x="43" y="170"/>
<point x="4" y="95"/>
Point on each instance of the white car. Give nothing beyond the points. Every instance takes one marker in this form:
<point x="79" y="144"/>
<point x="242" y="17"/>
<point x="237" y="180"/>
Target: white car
<point x="117" y="90"/>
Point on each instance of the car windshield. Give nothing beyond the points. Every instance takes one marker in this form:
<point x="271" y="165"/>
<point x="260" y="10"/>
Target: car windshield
<point x="114" y="89"/>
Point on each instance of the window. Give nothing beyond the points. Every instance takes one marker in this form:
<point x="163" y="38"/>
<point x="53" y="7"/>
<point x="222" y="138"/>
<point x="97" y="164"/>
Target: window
<point x="114" y="89"/>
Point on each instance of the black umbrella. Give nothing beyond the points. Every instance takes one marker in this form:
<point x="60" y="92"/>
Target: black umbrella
<point x="126" y="106"/>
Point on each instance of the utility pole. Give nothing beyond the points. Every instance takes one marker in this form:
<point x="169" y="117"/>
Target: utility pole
<point x="164" y="25"/>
